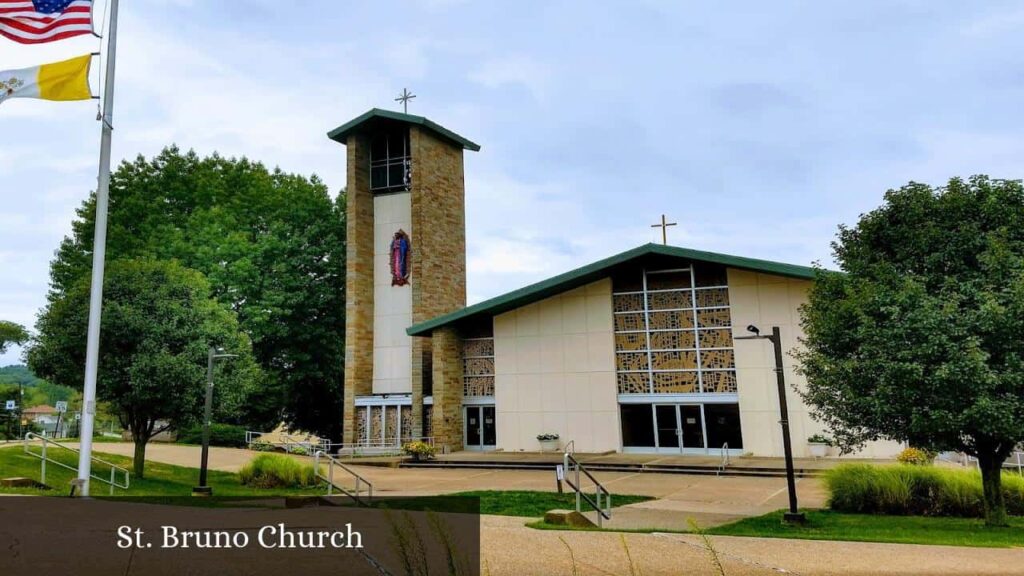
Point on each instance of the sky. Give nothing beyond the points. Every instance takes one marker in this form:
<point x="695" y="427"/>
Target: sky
<point x="759" y="127"/>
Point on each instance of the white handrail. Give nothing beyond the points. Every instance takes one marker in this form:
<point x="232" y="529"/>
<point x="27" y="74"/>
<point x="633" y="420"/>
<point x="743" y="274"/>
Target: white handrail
<point x="114" y="469"/>
<point x="329" y="479"/>
<point x="570" y="464"/>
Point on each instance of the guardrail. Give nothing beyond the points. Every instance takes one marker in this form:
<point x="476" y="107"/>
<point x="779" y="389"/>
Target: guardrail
<point x="332" y="463"/>
<point x="43" y="459"/>
<point x="572" y="466"/>
<point x="725" y="458"/>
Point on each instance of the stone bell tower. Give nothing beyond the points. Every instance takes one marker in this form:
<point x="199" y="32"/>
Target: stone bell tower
<point x="406" y="264"/>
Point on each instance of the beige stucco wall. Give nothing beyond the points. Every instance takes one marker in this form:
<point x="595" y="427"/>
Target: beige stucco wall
<point x="555" y="371"/>
<point x="766" y="301"/>
<point x="392" y="311"/>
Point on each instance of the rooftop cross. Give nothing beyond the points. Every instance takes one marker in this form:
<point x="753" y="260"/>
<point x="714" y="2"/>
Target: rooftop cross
<point x="404" y="98"/>
<point x="664" y="229"/>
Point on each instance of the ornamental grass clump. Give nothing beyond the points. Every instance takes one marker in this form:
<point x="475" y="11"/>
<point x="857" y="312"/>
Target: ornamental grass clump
<point x="916" y="490"/>
<point x="277" y="471"/>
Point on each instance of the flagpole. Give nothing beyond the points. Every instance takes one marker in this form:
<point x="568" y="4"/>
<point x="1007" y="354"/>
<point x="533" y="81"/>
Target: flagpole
<point x="92" y="348"/>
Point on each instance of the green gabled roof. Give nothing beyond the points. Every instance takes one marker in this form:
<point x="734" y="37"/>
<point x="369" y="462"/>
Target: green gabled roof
<point x="341" y="133"/>
<point x="596" y="271"/>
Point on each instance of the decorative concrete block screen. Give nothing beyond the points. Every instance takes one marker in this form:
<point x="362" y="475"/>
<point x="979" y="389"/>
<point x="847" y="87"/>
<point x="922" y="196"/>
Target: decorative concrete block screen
<point x="673" y="331"/>
<point x="478" y="367"/>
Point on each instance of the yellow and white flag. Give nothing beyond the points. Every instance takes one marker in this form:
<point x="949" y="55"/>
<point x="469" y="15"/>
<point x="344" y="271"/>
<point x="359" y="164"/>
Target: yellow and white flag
<point x="66" y="80"/>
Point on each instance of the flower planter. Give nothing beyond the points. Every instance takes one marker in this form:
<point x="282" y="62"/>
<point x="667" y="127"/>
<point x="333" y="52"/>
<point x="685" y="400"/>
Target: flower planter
<point x="548" y="445"/>
<point x="818" y="450"/>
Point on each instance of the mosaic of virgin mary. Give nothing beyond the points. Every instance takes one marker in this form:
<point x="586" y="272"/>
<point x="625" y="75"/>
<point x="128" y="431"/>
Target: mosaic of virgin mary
<point x="400" y="259"/>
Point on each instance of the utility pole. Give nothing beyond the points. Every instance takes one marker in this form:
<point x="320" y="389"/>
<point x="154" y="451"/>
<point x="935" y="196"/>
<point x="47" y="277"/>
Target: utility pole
<point x="92" y="348"/>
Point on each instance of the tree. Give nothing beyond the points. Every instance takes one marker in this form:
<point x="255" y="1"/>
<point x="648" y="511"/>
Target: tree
<point x="272" y="246"/>
<point x="919" y="340"/>
<point x="158" y="321"/>
<point x="11" y="333"/>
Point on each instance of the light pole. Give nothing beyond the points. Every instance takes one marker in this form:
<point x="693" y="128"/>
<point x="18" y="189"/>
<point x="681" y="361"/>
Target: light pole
<point x="793" y="516"/>
<point x="215" y="354"/>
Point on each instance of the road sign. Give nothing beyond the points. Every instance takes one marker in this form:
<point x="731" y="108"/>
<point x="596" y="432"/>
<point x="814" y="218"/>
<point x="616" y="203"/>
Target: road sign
<point x="78" y="415"/>
<point x="62" y="406"/>
<point x="12" y="405"/>
<point x="560" y="472"/>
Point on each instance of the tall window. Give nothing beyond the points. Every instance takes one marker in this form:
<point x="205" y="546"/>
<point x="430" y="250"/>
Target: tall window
<point x="478" y="360"/>
<point x="390" y="165"/>
<point x="673" y="331"/>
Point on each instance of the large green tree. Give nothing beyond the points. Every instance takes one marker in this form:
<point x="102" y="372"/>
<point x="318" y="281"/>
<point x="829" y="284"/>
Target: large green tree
<point x="272" y="246"/>
<point x="919" y="339"/>
<point x="159" y="320"/>
<point x="11" y="333"/>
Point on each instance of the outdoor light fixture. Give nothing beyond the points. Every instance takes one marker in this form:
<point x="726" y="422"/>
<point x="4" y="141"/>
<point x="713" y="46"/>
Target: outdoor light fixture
<point x="214" y="354"/>
<point x="793" y="516"/>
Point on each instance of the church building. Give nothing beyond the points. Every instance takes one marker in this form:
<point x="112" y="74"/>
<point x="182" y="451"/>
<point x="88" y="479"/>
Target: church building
<point x="634" y="353"/>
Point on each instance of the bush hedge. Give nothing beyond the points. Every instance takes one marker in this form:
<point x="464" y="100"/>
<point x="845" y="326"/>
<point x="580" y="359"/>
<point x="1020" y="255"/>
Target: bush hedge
<point x="906" y="489"/>
<point x="276" y="471"/>
<point x="225" y="435"/>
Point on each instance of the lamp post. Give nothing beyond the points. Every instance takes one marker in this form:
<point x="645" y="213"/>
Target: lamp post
<point x="793" y="516"/>
<point x="215" y="354"/>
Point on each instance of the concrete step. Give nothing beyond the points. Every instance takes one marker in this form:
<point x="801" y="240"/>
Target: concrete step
<point x="615" y="467"/>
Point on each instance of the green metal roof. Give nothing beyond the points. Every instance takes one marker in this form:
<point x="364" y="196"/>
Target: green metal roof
<point x="596" y="271"/>
<point x="341" y="133"/>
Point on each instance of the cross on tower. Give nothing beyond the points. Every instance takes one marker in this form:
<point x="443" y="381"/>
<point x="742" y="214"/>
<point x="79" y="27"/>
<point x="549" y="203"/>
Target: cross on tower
<point x="664" y="229"/>
<point x="404" y="98"/>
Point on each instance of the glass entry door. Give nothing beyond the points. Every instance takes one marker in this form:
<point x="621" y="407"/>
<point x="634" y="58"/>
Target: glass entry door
<point x="480" y="428"/>
<point x="679" y="427"/>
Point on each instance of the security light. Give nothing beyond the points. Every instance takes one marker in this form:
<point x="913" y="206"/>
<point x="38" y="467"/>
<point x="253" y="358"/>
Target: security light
<point x="756" y="331"/>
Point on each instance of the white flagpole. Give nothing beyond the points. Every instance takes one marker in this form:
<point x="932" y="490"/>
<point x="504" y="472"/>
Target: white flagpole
<point x="92" y="348"/>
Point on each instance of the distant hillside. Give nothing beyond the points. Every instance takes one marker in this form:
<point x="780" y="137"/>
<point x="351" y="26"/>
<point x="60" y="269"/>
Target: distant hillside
<point x="37" y="390"/>
<point x="18" y="374"/>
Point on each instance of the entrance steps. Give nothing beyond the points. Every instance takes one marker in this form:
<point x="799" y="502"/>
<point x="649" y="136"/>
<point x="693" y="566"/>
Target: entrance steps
<point x="695" y="468"/>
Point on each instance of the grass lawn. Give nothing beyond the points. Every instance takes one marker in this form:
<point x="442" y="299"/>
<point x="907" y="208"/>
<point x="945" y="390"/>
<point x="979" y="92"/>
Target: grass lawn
<point x="828" y="525"/>
<point x="162" y="480"/>
<point x="534" y="504"/>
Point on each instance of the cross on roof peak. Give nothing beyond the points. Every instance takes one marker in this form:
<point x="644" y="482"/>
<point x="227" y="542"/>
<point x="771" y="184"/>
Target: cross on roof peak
<point x="404" y="98"/>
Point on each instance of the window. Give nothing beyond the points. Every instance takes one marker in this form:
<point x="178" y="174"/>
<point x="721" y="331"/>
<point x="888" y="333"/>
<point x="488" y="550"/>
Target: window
<point x="673" y="331"/>
<point x="390" y="164"/>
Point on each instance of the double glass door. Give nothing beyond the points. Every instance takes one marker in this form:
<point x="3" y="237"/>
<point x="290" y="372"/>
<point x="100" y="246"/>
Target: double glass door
<point x="679" y="426"/>
<point x="480" y="428"/>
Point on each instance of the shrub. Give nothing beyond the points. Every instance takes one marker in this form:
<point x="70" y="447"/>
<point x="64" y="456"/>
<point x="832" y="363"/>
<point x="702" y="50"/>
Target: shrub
<point x="820" y="439"/>
<point x="915" y="490"/>
<point x="419" y="449"/>
<point x="277" y="471"/>
<point x="916" y="456"/>
<point x="262" y="446"/>
<point x="546" y="437"/>
<point x="225" y="435"/>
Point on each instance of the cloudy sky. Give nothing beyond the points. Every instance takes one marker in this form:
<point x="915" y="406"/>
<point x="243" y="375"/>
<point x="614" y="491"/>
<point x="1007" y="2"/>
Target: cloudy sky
<point x="759" y="127"/>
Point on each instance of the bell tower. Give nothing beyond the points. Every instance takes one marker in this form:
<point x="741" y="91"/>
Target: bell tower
<point x="406" y="264"/>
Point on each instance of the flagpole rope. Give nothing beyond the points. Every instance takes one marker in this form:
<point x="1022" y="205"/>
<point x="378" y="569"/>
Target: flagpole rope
<point x="103" y="30"/>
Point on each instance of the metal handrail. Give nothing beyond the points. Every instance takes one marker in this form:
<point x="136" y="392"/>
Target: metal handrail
<point x="725" y="458"/>
<point x="570" y="464"/>
<point x="114" y="469"/>
<point x="570" y="447"/>
<point x="329" y="479"/>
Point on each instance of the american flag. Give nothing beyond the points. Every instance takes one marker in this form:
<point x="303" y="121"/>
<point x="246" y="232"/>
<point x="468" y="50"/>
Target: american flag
<point x="38" y="21"/>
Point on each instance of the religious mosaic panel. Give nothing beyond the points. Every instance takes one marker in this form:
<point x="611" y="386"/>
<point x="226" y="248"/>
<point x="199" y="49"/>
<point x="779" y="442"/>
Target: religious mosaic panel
<point x="672" y="331"/>
<point x="375" y="428"/>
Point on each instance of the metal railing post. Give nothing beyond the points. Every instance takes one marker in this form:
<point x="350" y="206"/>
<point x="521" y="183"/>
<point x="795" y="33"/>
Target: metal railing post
<point x="42" y="474"/>
<point x="112" y="481"/>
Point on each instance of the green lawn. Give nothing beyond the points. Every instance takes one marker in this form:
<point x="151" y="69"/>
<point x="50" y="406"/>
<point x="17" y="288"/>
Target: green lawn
<point x="162" y="480"/>
<point x="828" y="525"/>
<point x="534" y="504"/>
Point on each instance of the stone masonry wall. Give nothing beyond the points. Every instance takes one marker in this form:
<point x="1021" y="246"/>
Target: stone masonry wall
<point x="438" y="252"/>
<point x="446" y="415"/>
<point x="358" y="281"/>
